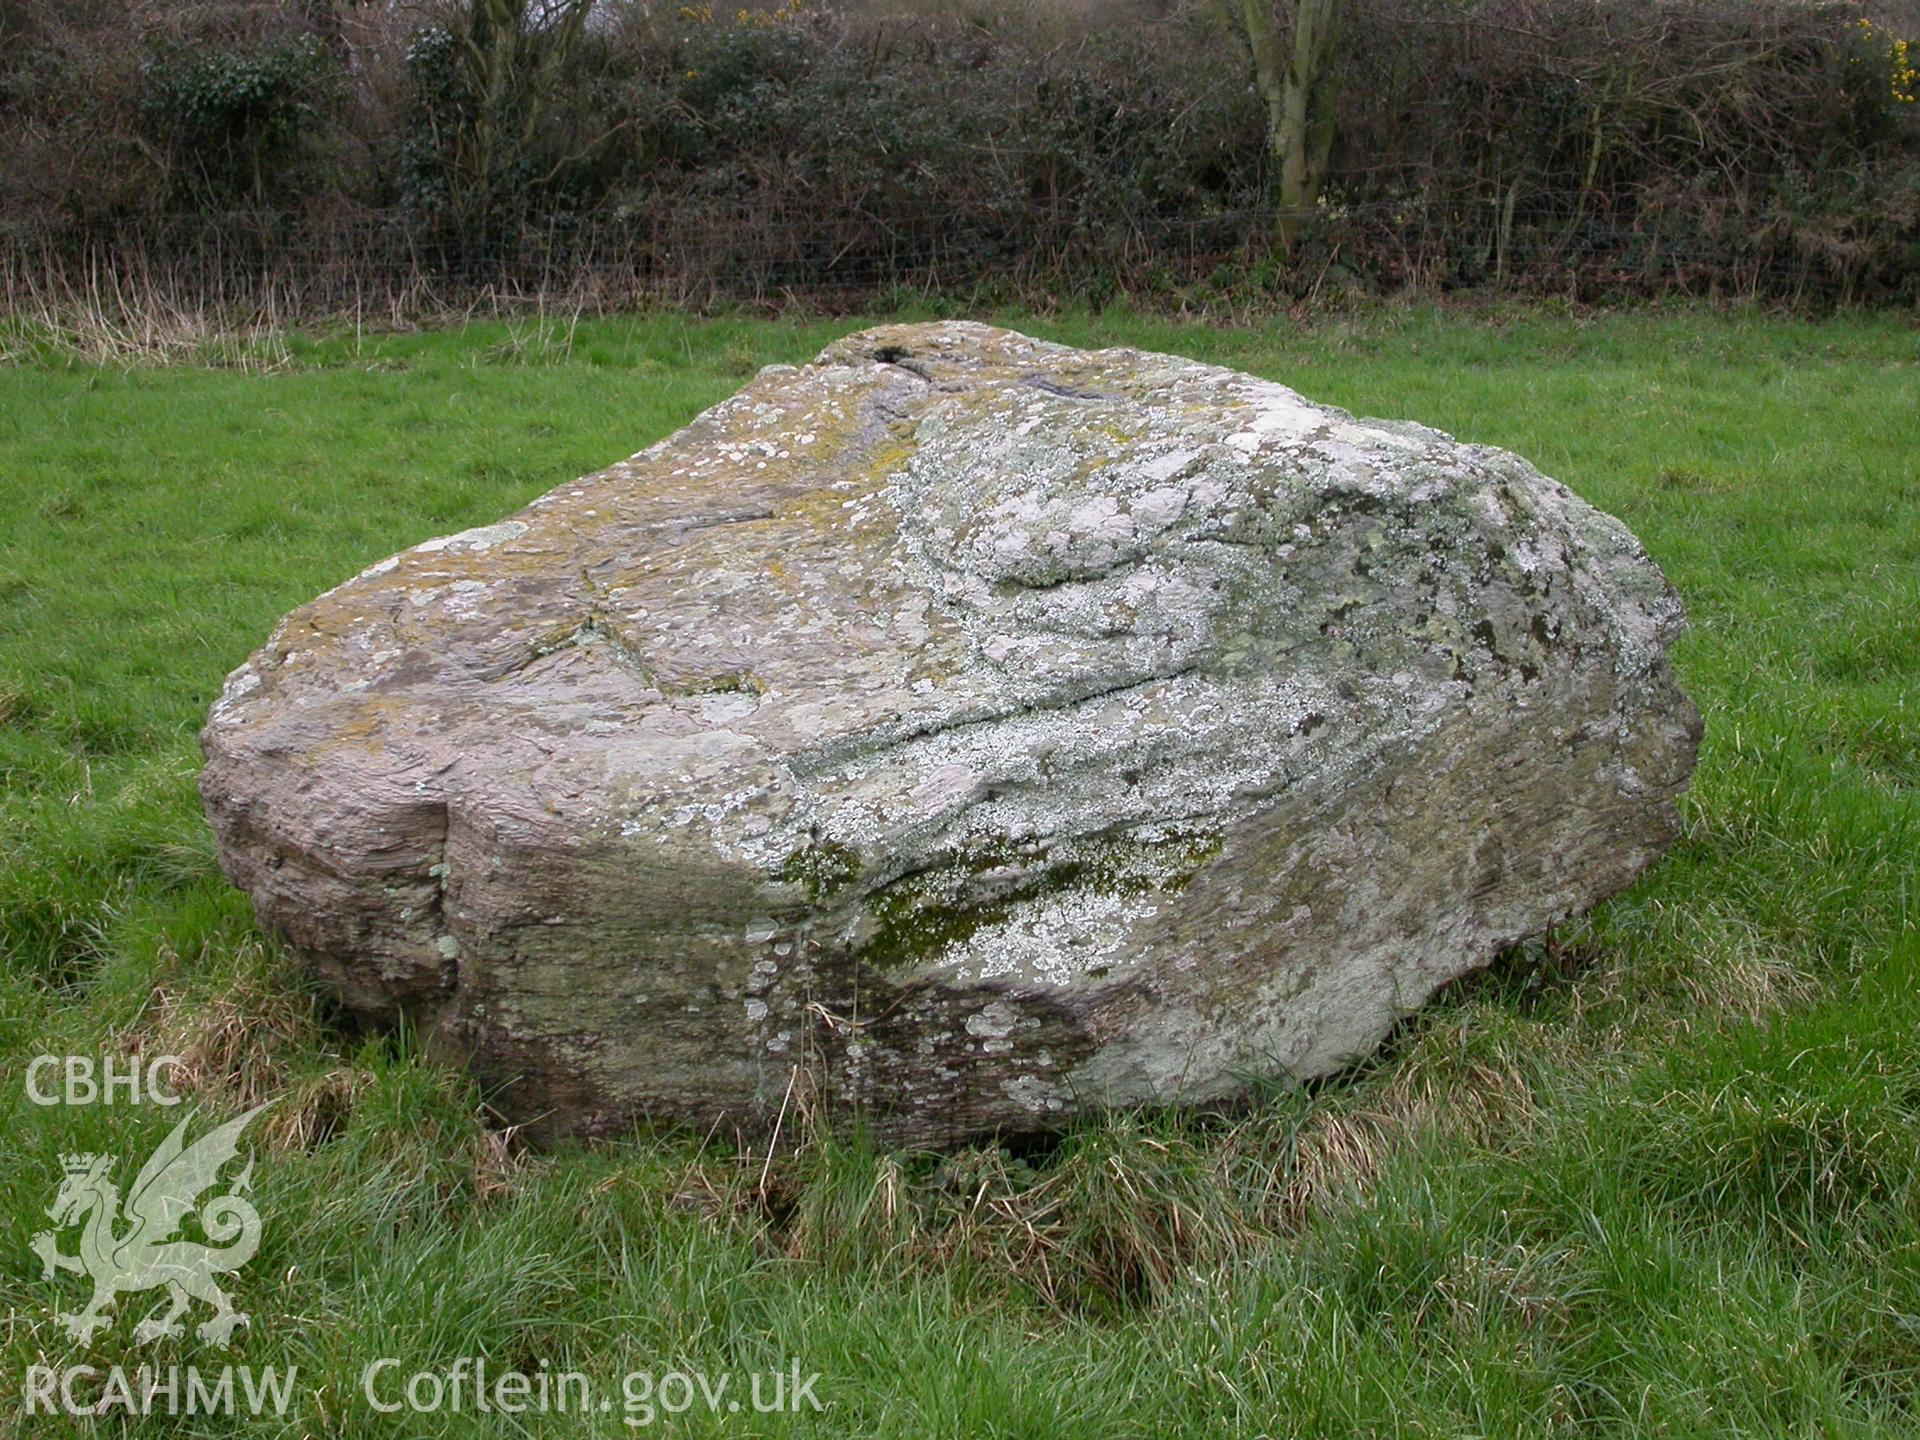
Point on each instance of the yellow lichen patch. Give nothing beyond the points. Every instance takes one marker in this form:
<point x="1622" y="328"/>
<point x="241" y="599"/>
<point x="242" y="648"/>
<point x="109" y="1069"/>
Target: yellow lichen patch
<point x="368" y="718"/>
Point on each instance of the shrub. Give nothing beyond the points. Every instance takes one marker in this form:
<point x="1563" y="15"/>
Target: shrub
<point x="1627" y="147"/>
<point x="242" y="122"/>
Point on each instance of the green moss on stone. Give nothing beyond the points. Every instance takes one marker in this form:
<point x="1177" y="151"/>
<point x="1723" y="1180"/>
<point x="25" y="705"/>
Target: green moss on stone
<point x="822" y="868"/>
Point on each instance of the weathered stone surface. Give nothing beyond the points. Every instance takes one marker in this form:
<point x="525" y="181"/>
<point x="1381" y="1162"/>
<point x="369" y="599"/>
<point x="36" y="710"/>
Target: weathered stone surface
<point x="967" y="729"/>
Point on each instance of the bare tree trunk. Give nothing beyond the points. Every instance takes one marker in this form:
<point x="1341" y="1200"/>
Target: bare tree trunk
<point x="1291" y="72"/>
<point x="510" y="49"/>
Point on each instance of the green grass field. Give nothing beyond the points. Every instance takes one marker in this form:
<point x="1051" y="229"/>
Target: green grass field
<point x="1660" y="1175"/>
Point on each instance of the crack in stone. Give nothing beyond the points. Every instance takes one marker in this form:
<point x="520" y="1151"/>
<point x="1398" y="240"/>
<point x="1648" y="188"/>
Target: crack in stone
<point x="1065" y="392"/>
<point x="686" y="526"/>
<point x="812" y="764"/>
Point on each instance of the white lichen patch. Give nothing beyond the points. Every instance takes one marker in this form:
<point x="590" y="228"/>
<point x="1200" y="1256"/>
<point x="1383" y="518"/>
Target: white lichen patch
<point x="478" y="540"/>
<point x="1053" y="939"/>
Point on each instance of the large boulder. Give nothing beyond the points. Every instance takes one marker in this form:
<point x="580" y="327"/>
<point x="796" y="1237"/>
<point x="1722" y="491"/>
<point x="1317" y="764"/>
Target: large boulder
<point x="962" y="729"/>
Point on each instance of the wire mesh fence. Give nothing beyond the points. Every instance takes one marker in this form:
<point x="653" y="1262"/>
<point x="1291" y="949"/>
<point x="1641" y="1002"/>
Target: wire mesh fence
<point x="300" y="264"/>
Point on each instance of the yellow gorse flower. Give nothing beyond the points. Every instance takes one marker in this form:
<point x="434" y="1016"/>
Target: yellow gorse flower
<point x="1903" y="78"/>
<point x="788" y="10"/>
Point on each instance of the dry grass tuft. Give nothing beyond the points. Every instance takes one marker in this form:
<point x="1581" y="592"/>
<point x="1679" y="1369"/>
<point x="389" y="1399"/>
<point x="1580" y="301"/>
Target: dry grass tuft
<point x="1119" y="1222"/>
<point x="501" y="1160"/>
<point x="119" y="319"/>
<point x="312" y="1110"/>
<point x="234" y="1046"/>
<point x="1336" y="1154"/>
<point x="537" y="339"/>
